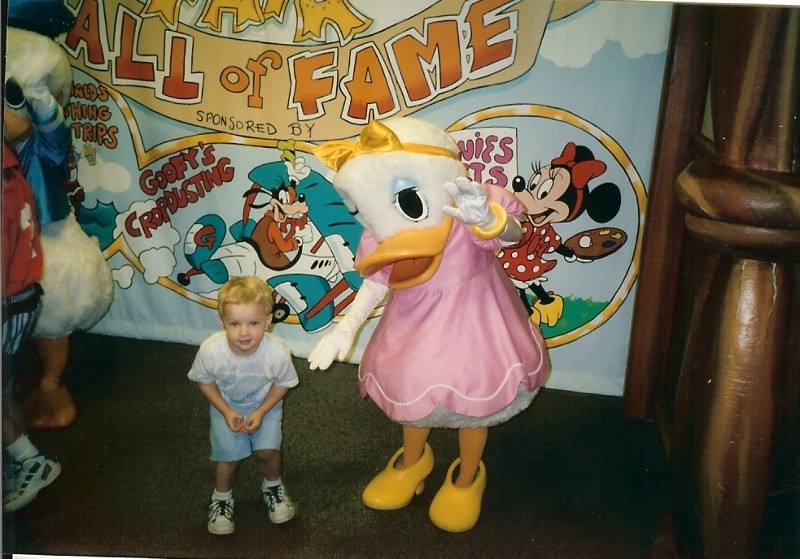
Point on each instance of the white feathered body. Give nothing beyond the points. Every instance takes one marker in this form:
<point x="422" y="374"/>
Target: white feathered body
<point x="77" y="284"/>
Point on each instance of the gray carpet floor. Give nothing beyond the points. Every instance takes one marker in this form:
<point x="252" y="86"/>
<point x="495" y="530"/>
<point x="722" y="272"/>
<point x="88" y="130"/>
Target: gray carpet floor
<point x="571" y="477"/>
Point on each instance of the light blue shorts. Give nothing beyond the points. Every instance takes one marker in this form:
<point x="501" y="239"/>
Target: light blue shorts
<point x="230" y="446"/>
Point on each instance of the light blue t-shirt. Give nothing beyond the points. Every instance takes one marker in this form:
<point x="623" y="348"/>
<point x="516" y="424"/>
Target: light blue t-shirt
<point x="243" y="380"/>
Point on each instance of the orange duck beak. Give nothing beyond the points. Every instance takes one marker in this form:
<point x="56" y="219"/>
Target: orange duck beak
<point x="414" y="253"/>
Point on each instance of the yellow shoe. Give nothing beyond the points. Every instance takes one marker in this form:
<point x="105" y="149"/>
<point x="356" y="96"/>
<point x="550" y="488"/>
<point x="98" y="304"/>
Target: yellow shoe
<point x="536" y="316"/>
<point x="456" y="509"/>
<point x="393" y="488"/>
<point x="550" y="313"/>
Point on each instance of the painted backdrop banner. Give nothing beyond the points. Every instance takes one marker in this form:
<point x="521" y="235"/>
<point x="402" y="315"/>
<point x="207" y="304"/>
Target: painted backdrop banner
<point x="193" y="125"/>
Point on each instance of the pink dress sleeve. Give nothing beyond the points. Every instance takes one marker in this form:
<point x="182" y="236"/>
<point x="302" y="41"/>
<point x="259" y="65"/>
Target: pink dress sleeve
<point x="510" y="203"/>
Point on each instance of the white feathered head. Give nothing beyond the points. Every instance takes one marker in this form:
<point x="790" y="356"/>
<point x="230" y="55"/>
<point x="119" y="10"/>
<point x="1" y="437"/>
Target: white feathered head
<point x="392" y="179"/>
<point x="33" y="59"/>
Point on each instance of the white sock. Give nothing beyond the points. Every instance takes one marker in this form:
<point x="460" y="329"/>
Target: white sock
<point x="22" y="449"/>
<point x="218" y="496"/>
<point x="266" y="484"/>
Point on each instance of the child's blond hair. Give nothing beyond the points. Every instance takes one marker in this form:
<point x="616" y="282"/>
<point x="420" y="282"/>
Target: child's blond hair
<point x="244" y="290"/>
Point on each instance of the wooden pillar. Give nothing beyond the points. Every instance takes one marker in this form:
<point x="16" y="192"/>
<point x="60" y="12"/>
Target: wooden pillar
<point x="735" y="440"/>
<point x="682" y="107"/>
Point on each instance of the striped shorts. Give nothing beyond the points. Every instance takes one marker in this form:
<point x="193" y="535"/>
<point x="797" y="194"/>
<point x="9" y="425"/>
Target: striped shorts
<point x="20" y="312"/>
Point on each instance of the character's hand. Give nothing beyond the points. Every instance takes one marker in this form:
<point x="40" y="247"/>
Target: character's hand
<point x="304" y="235"/>
<point x="336" y="344"/>
<point x="574" y="258"/>
<point x="472" y="205"/>
<point x="299" y="170"/>
<point x="332" y="346"/>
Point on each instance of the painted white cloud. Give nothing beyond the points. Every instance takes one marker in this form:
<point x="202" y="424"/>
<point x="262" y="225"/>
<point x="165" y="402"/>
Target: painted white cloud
<point x="153" y="246"/>
<point x="123" y="276"/>
<point x="158" y="263"/>
<point x="640" y="27"/>
<point x="94" y="173"/>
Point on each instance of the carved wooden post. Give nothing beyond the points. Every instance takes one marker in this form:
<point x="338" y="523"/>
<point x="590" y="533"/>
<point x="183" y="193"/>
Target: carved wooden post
<point x="736" y="415"/>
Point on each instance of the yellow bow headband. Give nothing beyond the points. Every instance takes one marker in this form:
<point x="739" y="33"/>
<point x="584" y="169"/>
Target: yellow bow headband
<point x="374" y="138"/>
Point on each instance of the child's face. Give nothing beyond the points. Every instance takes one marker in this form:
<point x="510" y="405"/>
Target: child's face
<point x="245" y="325"/>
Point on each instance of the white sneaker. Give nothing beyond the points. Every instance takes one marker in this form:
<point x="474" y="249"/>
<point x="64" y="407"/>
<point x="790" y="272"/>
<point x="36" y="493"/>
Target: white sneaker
<point x="220" y="517"/>
<point x="29" y="477"/>
<point x="280" y="506"/>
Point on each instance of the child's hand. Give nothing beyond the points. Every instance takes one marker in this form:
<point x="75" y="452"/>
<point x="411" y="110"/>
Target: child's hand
<point x="253" y="422"/>
<point x="235" y="421"/>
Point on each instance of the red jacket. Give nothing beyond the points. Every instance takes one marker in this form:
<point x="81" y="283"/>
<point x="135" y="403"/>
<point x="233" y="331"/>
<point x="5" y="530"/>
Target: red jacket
<point x="21" y="248"/>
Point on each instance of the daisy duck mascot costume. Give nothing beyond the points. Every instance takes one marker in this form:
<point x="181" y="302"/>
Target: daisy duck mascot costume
<point x="76" y="281"/>
<point x="454" y="347"/>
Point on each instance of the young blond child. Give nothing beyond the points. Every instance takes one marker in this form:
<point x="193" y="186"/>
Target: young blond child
<point x="244" y="373"/>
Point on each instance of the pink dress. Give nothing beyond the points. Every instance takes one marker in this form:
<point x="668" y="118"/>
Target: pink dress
<point x="457" y="350"/>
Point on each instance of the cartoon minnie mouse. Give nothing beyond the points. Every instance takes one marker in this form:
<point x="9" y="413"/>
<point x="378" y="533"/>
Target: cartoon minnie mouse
<point x="556" y="193"/>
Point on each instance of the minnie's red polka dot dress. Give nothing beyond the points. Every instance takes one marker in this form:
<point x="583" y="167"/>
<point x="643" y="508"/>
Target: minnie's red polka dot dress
<point x="523" y="262"/>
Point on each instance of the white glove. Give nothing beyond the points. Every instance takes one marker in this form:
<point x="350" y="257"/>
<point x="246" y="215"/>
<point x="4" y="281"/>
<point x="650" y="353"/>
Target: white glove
<point x="472" y="208"/>
<point x="304" y="235"/>
<point x="574" y="258"/>
<point x="298" y="170"/>
<point x="336" y="344"/>
<point x="472" y="205"/>
<point x="44" y="110"/>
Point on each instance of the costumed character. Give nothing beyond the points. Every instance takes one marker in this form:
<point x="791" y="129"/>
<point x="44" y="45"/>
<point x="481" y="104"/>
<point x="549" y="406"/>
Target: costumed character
<point x="454" y="347"/>
<point x="77" y="283"/>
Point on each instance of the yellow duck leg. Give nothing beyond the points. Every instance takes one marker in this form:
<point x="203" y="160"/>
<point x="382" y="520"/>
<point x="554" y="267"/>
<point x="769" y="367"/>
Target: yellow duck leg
<point x="457" y="505"/>
<point x="396" y="485"/>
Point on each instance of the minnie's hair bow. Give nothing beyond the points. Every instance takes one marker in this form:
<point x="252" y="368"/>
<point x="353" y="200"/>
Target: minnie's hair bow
<point x="581" y="171"/>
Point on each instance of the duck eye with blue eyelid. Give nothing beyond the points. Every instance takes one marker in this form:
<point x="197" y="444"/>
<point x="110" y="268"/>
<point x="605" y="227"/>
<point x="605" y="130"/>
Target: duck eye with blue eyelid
<point x="408" y="200"/>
